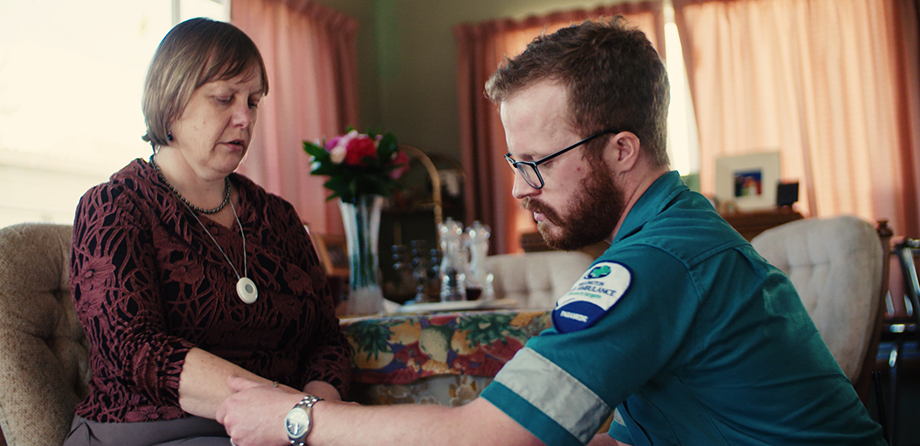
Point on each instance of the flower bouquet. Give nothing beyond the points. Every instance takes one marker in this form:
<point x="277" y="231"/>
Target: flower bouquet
<point x="362" y="169"/>
<point x="358" y="164"/>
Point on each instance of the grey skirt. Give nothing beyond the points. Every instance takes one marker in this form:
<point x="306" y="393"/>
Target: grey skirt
<point x="191" y="431"/>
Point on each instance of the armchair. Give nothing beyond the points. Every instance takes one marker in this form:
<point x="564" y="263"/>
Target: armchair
<point x="839" y="266"/>
<point x="44" y="356"/>
<point x="537" y="279"/>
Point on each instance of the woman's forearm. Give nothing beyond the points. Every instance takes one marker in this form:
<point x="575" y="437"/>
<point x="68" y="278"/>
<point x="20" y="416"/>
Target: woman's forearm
<point x="203" y="382"/>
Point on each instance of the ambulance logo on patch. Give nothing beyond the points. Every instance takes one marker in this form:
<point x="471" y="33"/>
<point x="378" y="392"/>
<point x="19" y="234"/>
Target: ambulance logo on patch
<point x="591" y="297"/>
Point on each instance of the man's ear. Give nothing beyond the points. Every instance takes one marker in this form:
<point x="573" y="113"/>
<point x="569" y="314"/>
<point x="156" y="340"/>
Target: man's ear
<point x="623" y="151"/>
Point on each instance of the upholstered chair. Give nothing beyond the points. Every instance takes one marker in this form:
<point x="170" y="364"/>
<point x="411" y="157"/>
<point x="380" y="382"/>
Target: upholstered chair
<point x="839" y="267"/>
<point x="44" y="365"/>
<point x="537" y="279"/>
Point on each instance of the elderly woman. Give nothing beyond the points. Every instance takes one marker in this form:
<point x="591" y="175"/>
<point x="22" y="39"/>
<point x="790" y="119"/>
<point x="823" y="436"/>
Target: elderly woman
<point x="184" y="273"/>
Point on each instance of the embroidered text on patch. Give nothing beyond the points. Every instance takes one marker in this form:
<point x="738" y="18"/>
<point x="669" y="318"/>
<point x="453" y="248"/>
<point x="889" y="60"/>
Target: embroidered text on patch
<point x="591" y="297"/>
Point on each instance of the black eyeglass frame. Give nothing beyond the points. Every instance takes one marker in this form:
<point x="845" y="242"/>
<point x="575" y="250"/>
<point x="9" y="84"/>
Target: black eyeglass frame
<point x="514" y="163"/>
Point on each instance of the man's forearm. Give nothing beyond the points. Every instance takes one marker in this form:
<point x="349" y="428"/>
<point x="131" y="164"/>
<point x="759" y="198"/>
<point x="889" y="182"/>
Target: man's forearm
<point x="254" y="415"/>
<point x="354" y="425"/>
<point x="477" y="423"/>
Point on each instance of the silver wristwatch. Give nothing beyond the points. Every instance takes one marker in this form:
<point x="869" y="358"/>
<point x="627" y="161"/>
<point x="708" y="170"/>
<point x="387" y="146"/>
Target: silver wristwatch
<point x="299" y="420"/>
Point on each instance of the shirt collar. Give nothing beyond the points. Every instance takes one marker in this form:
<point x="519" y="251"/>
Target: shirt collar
<point x="652" y="202"/>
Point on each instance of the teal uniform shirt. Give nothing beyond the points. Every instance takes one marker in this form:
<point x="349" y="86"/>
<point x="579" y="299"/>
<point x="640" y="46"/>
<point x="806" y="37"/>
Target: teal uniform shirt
<point x="691" y="336"/>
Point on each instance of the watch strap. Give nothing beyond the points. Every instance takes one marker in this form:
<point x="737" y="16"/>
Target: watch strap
<point x="307" y="405"/>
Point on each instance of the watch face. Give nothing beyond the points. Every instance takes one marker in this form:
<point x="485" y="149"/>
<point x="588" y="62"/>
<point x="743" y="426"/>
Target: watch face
<point x="297" y="422"/>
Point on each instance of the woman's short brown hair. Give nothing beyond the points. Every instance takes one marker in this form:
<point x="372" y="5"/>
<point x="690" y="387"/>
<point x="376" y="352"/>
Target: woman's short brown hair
<point x="614" y="77"/>
<point x="193" y="53"/>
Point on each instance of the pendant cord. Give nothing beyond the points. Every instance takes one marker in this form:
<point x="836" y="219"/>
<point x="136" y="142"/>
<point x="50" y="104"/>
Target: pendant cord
<point x="227" y="258"/>
<point x="240" y="225"/>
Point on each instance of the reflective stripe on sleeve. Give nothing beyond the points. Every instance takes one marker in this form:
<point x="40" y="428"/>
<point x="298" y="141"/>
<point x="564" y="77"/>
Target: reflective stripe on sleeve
<point x="554" y="392"/>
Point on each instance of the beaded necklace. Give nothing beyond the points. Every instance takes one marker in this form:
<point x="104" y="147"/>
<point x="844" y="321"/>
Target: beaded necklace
<point x="190" y="205"/>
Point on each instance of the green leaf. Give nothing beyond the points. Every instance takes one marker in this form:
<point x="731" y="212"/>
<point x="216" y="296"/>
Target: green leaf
<point x="371" y="337"/>
<point x="324" y="169"/>
<point x="486" y="329"/>
<point x="387" y="147"/>
<point x="315" y="150"/>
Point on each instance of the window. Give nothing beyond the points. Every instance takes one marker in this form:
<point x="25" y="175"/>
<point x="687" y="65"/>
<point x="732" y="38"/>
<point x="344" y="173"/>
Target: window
<point x="71" y="76"/>
<point x="683" y="141"/>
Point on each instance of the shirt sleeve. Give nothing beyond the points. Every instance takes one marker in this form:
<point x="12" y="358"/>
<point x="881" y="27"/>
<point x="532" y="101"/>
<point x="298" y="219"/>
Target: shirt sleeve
<point x="113" y="283"/>
<point x="563" y="386"/>
<point x="329" y="358"/>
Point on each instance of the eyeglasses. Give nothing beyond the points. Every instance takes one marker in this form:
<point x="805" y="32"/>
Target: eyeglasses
<point x="529" y="170"/>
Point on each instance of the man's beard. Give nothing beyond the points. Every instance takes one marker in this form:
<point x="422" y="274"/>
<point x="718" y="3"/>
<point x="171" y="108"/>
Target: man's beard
<point x="592" y="218"/>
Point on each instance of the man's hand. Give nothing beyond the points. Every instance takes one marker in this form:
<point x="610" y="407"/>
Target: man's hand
<point x="254" y="414"/>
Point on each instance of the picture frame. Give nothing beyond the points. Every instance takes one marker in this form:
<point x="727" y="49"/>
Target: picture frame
<point x="332" y="250"/>
<point x="748" y="181"/>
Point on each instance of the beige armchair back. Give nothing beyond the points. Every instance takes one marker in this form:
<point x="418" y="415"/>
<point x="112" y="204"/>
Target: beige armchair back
<point x="839" y="268"/>
<point x="537" y="279"/>
<point x="44" y="365"/>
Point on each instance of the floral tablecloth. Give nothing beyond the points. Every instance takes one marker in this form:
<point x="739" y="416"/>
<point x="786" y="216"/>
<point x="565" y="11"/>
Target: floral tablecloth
<point x="400" y="349"/>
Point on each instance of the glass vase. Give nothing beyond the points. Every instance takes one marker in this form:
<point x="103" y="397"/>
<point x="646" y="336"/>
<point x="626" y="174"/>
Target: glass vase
<point x="362" y="229"/>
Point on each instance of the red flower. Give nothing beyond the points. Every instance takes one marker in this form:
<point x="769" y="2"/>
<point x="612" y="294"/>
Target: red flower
<point x="358" y="149"/>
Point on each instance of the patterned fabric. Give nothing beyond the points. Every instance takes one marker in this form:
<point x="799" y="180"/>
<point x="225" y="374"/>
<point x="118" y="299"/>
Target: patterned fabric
<point x="149" y="284"/>
<point x="444" y="390"/>
<point x="405" y="348"/>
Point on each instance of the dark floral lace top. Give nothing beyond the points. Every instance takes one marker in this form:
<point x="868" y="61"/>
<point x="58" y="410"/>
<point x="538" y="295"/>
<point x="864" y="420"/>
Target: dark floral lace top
<point x="149" y="284"/>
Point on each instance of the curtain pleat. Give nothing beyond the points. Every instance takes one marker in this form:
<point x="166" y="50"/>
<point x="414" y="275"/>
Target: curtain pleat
<point x="481" y="48"/>
<point x="310" y="53"/>
<point x="830" y="84"/>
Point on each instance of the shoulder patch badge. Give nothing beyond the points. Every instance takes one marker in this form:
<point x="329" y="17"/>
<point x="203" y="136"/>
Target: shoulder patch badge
<point x="591" y="297"/>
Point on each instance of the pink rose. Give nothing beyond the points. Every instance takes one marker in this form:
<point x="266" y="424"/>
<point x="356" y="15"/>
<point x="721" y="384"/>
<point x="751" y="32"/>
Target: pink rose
<point x="402" y="162"/>
<point x="337" y="147"/>
<point x="341" y="140"/>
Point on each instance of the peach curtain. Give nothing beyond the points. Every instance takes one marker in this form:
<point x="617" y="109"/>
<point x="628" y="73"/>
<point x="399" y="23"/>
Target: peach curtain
<point x="310" y="53"/>
<point x="831" y="84"/>
<point x="481" y="48"/>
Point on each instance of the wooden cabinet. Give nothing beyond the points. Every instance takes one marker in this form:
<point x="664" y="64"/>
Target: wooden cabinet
<point x="751" y="223"/>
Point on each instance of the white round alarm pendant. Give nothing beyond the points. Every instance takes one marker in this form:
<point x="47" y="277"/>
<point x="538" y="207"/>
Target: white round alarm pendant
<point x="247" y="290"/>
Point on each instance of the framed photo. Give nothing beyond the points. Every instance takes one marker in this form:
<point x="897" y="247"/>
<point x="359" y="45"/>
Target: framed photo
<point x="748" y="181"/>
<point x="333" y="253"/>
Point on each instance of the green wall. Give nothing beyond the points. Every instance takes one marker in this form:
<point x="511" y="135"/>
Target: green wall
<point x="407" y="61"/>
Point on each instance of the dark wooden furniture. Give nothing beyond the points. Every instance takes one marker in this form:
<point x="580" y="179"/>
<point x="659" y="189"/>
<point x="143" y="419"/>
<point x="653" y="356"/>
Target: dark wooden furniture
<point x="751" y="223"/>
